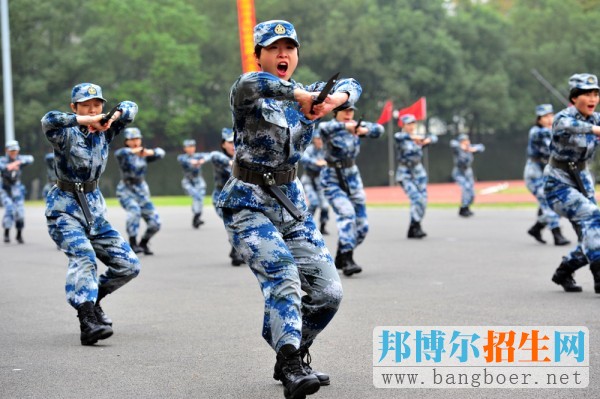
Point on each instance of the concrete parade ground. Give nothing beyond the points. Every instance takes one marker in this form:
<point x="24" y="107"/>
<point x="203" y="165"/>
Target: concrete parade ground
<point x="190" y="325"/>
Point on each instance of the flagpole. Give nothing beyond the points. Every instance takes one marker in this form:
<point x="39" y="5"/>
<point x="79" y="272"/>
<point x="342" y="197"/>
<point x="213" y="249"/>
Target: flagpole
<point x="391" y="160"/>
<point x="9" y="127"/>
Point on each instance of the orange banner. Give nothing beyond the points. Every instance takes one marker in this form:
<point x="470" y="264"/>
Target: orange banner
<point x="246" y="22"/>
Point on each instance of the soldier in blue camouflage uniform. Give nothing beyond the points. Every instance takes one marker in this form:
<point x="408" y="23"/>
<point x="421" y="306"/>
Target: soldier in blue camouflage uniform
<point x="12" y="191"/>
<point x="193" y="182"/>
<point x="50" y="174"/>
<point x="75" y="207"/>
<point x="538" y="154"/>
<point x="222" y="162"/>
<point x="264" y="207"/>
<point x="569" y="185"/>
<point x="462" y="173"/>
<point x="313" y="161"/>
<point x="411" y="174"/>
<point x="133" y="192"/>
<point x="342" y="182"/>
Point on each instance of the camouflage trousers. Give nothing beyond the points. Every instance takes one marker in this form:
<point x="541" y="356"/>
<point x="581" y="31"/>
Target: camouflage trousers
<point x="197" y="190"/>
<point x="84" y="245"/>
<point x="466" y="182"/>
<point x="581" y="211"/>
<point x="135" y="199"/>
<point x="315" y="197"/>
<point x="287" y="257"/>
<point x="414" y="184"/>
<point x="534" y="180"/>
<point x="13" y="201"/>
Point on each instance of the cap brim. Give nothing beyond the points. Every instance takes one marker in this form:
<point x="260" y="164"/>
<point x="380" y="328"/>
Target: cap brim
<point x="275" y="38"/>
<point x="90" y="98"/>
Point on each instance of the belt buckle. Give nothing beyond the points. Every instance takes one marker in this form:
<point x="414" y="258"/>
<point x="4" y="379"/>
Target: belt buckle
<point x="78" y="187"/>
<point x="268" y="179"/>
<point x="339" y="165"/>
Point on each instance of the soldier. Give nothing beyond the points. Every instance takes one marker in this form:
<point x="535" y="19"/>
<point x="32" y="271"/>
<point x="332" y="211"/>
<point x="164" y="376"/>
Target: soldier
<point x="193" y="181"/>
<point x="222" y="162"/>
<point x="12" y="191"/>
<point x="342" y="182"/>
<point x="264" y="207"/>
<point x="133" y="192"/>
<point x="313" y="161"/>
<point x="462" y="173"/>
<point x="538" y="153"/>
<point x="411" y="174"/>
<point x="75" y="207"/>
<point x="50" y="174"/>
<point x="569" y="185"/>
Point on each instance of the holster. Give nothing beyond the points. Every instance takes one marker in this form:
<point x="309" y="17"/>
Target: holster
<point x="573" y="169"/>
<point x="79" y="189"/>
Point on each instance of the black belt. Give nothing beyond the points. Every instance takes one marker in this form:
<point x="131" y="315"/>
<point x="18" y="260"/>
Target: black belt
<point x="269" y="181"/>
<point x="133" y="180"/>
<point x="79" y="189"/>
<point x="573" y="169"/>
<point x="312" y="173"/>
<point x="344" y="163"/>
<point x="543" y="161"/>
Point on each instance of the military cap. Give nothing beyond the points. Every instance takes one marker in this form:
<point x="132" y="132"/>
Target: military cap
<point x="86" y="91"/>
<point x="132" y="133"/>
<point x="583" y="81"/>
<point x="189" y="143"/>
<point x="12" y="145"/>
<point x="266" y="33"/>
<point x="408" y="118"/>
<point x="544" y="109"/>
<point x="344" y="107"/>
<point x="227" y="134"/>
<point x="462" y="137"/>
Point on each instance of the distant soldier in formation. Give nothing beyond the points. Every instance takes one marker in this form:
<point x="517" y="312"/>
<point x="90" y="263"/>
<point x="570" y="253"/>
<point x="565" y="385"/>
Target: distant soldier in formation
<point x="50" y="174"/>
<point x="12" y="191"/>
<point x="222" y="162"/>
<point x="343" y="184"/>
<point x="133" y="191"/>
<point x="193" y="182"/>
<point x="462" y="173"/>
<point x="75" y="207"/>
<point x="538" y="154"/>
<point x="411" y="173"/>
<point x="313" y="161"/>
<point x="569" y="185"/>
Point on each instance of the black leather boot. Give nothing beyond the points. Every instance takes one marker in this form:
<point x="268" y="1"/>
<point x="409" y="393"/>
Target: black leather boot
<point x="20" y="237"/>
<point x="349" y="265"/>
<point x="323" y="230"/>
<point x="145" y="248"/>
<point x="464" y="211"/>
<point x="133" y="244"/>
<point x="558" y="237"/>
<point x="100" y="315"/>
<point x="6" y="235"/>
<point x="236" y="259"/>
<point x="564" y="275"/>
<point x="197" y="221"/>
<point x="289" y="370"/>
<point x="304" y="353"/>
<point x="536" y="232"/>
<point x="415" y="231"/>
<point x="91" y="329"/>
<point x="339" y="258"/>
<point x="595" y="268"/>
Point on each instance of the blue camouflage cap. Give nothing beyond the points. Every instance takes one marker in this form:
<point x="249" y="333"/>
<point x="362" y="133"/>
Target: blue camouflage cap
<point x="132" y="133"/>
<point x="189" y="143"/>
<point x="86" y="91"/>
<point x="227" y="134"/>
<point x="462" y="137"/>
<point x="408" y="118"/>
<point x="583" y="81"/>
<point x="12" y="145"/>
<point x="544" y="109"/>
<point x="266" y="33"/>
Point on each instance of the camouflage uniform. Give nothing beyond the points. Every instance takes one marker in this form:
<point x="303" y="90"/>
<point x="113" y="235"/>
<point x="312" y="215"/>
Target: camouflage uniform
<point x="350" y="207"/>
<point x="133" y="192"/>
<point x="12" y="191"/>
<point x="311" y="182"/>
<point x="462" y="173"/>
<point x="193" y="182"/>
<point x="411" y="173"/>
<point x="573" y="141"/>
<point x="80" y="157"/>
<point x="287" y="256"/>
<point x="50" y="173"/>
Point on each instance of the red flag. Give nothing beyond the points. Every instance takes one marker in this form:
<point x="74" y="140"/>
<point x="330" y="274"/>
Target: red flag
<point x="386" y="113"/>
<point x="418" y="109"/>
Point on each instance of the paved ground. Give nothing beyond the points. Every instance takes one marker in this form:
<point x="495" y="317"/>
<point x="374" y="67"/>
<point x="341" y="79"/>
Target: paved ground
<point x="189" y="326"/>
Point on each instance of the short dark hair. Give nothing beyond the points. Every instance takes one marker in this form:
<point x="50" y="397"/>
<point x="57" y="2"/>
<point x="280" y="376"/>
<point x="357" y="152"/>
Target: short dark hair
<point x="575" y="92"/>
<point x="258" y="48"/>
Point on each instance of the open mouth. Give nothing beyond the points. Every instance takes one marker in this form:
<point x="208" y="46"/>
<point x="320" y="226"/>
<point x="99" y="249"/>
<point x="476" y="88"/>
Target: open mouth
<point x="282" y="68"/>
